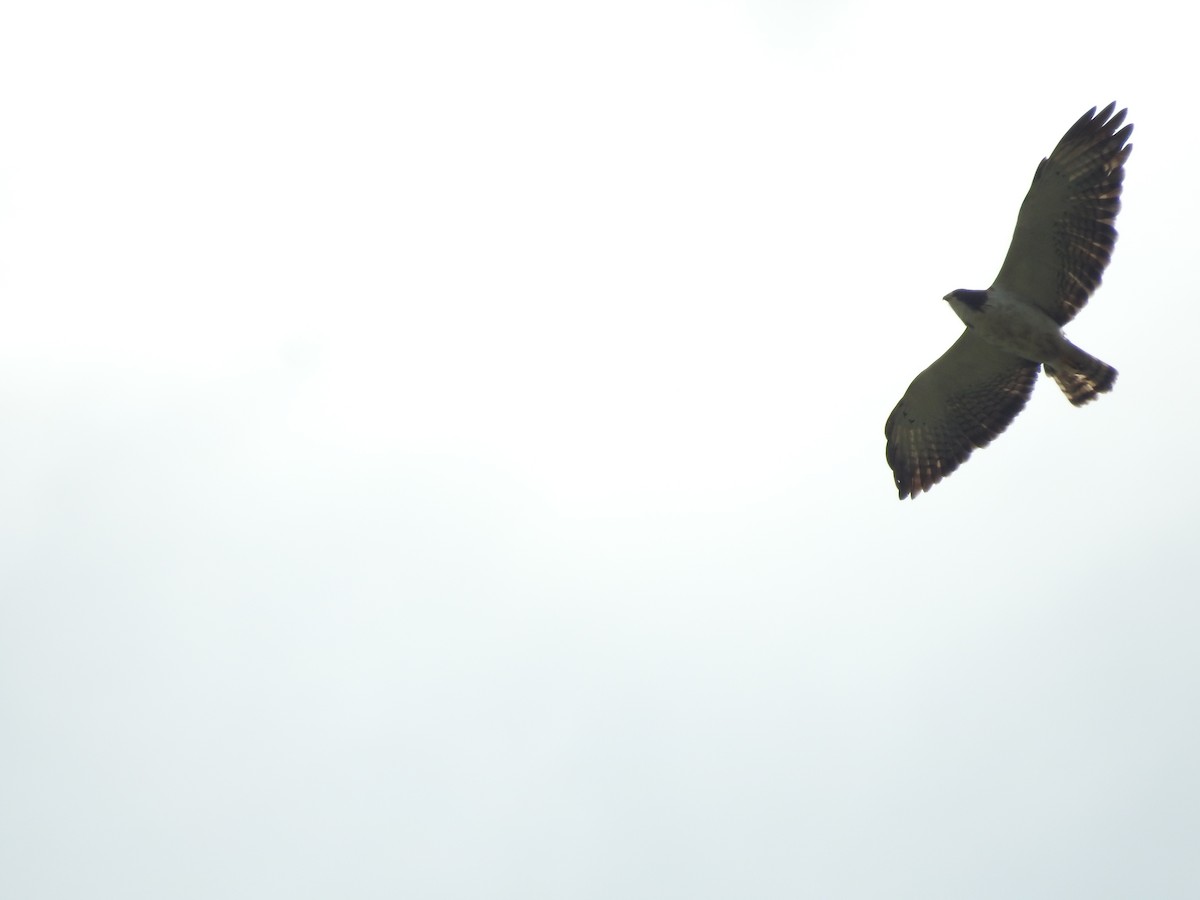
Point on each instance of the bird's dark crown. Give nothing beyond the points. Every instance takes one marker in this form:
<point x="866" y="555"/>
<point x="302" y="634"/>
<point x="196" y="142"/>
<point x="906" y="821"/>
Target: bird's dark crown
<point x="973" y="299"/>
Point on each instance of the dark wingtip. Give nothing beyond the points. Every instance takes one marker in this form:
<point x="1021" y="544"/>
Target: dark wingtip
<point x="1086" y="119"/>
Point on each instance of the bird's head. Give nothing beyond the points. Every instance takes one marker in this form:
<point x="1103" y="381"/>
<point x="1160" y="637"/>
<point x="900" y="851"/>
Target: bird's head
<point x="970" y="299"/>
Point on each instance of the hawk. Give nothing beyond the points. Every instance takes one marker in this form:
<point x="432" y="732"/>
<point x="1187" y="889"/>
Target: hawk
<point x="1063" y="240"/>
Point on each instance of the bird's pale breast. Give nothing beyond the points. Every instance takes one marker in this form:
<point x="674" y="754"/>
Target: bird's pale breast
<point x="1014" y="325"/>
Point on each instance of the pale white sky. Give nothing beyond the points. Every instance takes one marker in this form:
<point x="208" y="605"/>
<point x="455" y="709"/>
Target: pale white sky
<point x="442" y="457"/>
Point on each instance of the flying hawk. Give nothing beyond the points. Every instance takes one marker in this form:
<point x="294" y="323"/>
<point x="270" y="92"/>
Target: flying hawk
<point x="1063" y="240"/>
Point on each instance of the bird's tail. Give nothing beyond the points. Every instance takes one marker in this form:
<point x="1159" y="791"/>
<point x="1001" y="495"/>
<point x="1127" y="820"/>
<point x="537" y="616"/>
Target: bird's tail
<point x="1081" y="376"/>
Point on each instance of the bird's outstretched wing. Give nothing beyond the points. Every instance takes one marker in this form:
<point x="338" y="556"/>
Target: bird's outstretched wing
<point x="1065" y="235"/>
<point x="967" y="397"/>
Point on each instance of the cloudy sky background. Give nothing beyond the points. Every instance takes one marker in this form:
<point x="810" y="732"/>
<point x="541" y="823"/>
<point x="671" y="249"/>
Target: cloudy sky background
<point x="442" y="456"/>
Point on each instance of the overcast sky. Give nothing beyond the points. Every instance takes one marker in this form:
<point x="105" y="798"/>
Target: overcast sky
<point x="441" y="456"/>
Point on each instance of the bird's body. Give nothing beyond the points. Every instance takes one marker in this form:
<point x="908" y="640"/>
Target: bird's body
<point x="1016" y="326"/>
<point x="1063" y="241"/>
<point x="1009" y="323"/>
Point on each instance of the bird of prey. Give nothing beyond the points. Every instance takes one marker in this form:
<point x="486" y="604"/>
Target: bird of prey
<point x="1063" y="240"/>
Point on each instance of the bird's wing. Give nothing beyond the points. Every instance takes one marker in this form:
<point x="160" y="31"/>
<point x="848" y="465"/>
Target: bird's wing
<point x="967" y="397"/>
<point x="1065" y="235"/>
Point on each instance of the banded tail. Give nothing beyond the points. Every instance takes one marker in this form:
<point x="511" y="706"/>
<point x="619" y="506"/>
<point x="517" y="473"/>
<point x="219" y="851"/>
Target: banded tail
<point x="1081" y="376"/>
